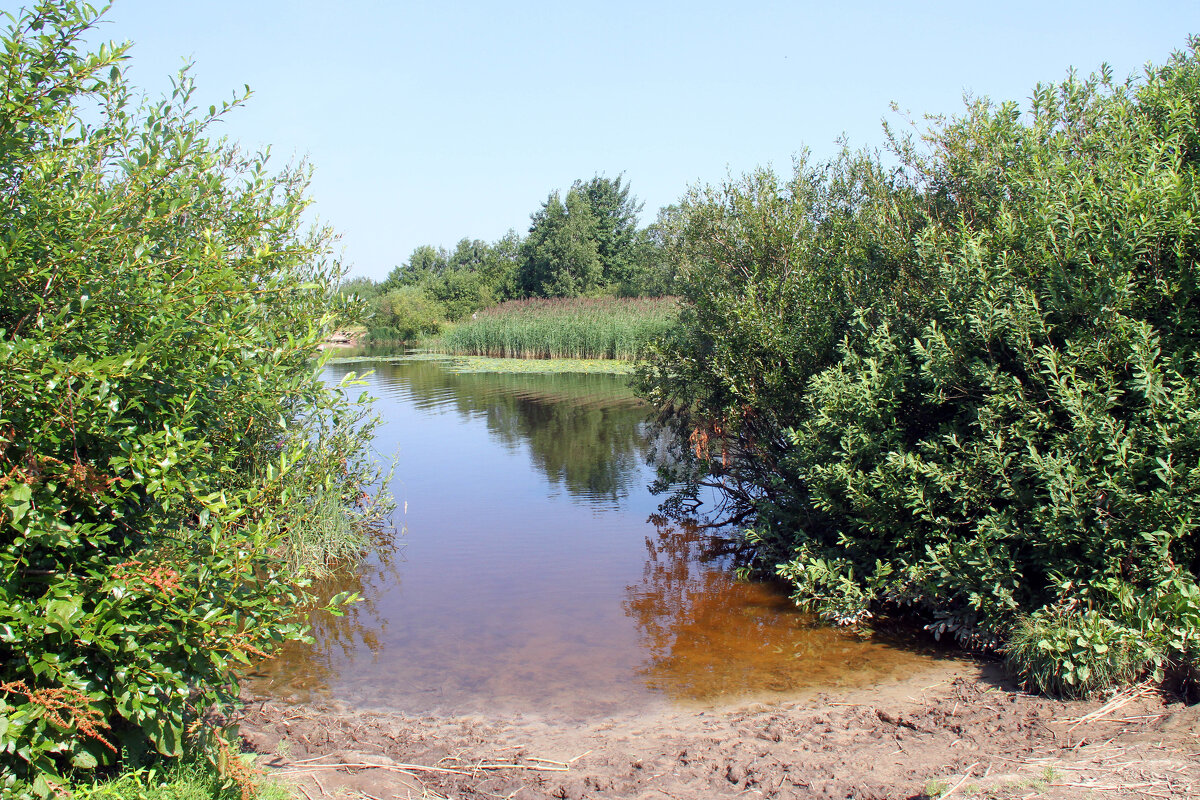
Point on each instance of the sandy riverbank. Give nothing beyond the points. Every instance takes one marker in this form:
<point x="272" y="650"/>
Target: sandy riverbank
<point x="959" y="727"/>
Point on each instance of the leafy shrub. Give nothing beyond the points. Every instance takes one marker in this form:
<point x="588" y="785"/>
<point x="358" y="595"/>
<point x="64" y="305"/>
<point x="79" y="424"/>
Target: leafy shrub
<point x="163" y="429"/>
<point x="962" y="383"/>
<point x="1072" y="653"/>
<point x="406" y="313"/>
<point x="1070" y="648"/>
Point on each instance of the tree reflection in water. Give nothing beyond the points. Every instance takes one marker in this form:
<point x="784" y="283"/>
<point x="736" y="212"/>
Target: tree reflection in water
<point x="585" y="433"/>
<point x="708" y="636"/>
<point x="517" y="603"/>
<point x="301" y="670"/>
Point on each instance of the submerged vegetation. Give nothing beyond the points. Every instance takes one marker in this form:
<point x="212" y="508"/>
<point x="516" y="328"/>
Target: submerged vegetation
<point x="591" y="328"/>
<point x="966" y="385"/>
<point x="167" y="447"/>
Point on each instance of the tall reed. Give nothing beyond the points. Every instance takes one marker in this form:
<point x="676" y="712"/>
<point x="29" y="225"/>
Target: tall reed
<point x="603" y="327"/>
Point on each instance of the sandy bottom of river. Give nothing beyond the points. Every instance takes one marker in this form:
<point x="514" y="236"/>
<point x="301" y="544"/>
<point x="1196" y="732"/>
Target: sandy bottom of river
<point x="960" y="730"/>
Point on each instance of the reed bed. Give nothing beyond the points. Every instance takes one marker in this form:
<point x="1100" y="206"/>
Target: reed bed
<point x="609" y="328"/>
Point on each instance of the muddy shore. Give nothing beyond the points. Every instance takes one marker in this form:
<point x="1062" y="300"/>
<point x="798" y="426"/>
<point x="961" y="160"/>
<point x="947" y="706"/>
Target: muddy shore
<point x="960" y="730"/>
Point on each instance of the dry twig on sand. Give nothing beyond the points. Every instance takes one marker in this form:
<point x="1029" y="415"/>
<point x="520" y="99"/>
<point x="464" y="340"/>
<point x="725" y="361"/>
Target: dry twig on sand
<point x="1120" y="700"/>
<point x="545" y="766"/>
<point x="952" y="789"/>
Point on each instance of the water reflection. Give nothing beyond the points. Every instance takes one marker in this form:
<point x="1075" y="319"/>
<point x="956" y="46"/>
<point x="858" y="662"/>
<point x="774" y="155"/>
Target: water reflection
<point x="530" y="578"/>
<point x="585" y="433"/>
<point x="301" y="670"/>
<point x="708" y="637"/>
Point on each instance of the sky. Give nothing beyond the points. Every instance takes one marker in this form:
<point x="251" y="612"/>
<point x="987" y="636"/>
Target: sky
<point x="428" y="122"/>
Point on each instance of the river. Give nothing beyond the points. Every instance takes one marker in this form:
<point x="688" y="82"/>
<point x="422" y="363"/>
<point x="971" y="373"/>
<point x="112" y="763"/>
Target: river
<point x="529" y="574"/>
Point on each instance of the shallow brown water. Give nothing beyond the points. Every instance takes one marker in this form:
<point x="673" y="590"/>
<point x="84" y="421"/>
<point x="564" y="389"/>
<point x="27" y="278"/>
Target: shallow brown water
<point x="530" y="577"/>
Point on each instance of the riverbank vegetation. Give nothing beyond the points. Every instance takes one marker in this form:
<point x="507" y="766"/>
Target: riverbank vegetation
<point x="583" y="328"/>
<point x="191" y="777"/>
<point x="166" y="443"/>
<point x="508" y="366"/>
<point x="586" y="244"/>
<point x="961" y="379"/>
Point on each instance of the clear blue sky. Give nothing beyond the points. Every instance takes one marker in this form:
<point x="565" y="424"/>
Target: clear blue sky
<point x="428" y="122"/>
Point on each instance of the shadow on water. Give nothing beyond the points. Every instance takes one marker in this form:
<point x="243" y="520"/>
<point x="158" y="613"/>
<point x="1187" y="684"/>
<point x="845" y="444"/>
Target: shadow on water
<point x="530" y="578"/>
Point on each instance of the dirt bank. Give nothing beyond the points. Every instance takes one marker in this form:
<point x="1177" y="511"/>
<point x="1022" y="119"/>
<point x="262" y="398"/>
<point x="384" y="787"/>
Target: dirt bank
<point x="344" y="339"/>
<point x="961" y="730"/>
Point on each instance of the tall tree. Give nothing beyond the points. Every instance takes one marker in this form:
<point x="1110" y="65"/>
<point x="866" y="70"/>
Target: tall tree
<point x="426" y="261"/>
<point x="561" y="255"/>
<point x="501" y="266"/>
<point x="469" y="254"/>
<point x="615" y="215"/>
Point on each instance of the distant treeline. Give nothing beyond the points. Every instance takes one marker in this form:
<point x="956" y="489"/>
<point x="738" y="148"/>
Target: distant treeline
<point x="586" y="244"/>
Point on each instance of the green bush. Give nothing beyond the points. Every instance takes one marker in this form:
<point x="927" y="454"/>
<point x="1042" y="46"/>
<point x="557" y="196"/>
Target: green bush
<point x="963" y="383"/>
<point x="1073" y="649"/>
<point x="1072" y="653"/>
<point x="164" y="433"/>
<point x="405" y="313"/>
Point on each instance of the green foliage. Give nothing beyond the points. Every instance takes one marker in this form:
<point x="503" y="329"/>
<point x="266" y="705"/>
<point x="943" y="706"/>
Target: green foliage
<point x="361" y="289"/>
<point x="424" y="264"/>
<point x="561" y="256"/>
<point x="588" y="243"/>
<point x="1072" y="649"/>
<point x="769" y="272"/>
<point x="624" y="251"/>
<point x="164" y="433"/>
<point x="965" y="382"/>
<point x="434" y="287"/>
<point x="461" y="292"/>
<point x="405" y="313"/>
<point x="192" y="777"/>
<point x="583" y="328"/>
<point x="1073" y="653"/>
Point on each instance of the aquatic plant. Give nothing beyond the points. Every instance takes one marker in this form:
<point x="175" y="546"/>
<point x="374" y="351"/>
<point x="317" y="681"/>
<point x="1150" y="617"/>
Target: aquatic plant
<point x="580" y="328"/>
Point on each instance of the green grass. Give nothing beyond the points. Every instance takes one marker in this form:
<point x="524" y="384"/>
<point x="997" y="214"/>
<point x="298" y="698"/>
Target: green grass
<point x="324" y="534"/>
<point x="460" y="364"/>
<point x="585" y="328"/>
<point x="189" y="778"/>
<point x="541" y="366"/>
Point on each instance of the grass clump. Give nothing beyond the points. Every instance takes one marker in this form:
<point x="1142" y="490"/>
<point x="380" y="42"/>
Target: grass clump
<point x="192" y="777"/>
<point x="1073" y="653"/>
<point x="582" y="328"/>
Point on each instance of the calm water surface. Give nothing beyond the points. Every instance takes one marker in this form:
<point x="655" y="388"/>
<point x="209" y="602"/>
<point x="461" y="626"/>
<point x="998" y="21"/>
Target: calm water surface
<point x="529" y="577"/>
